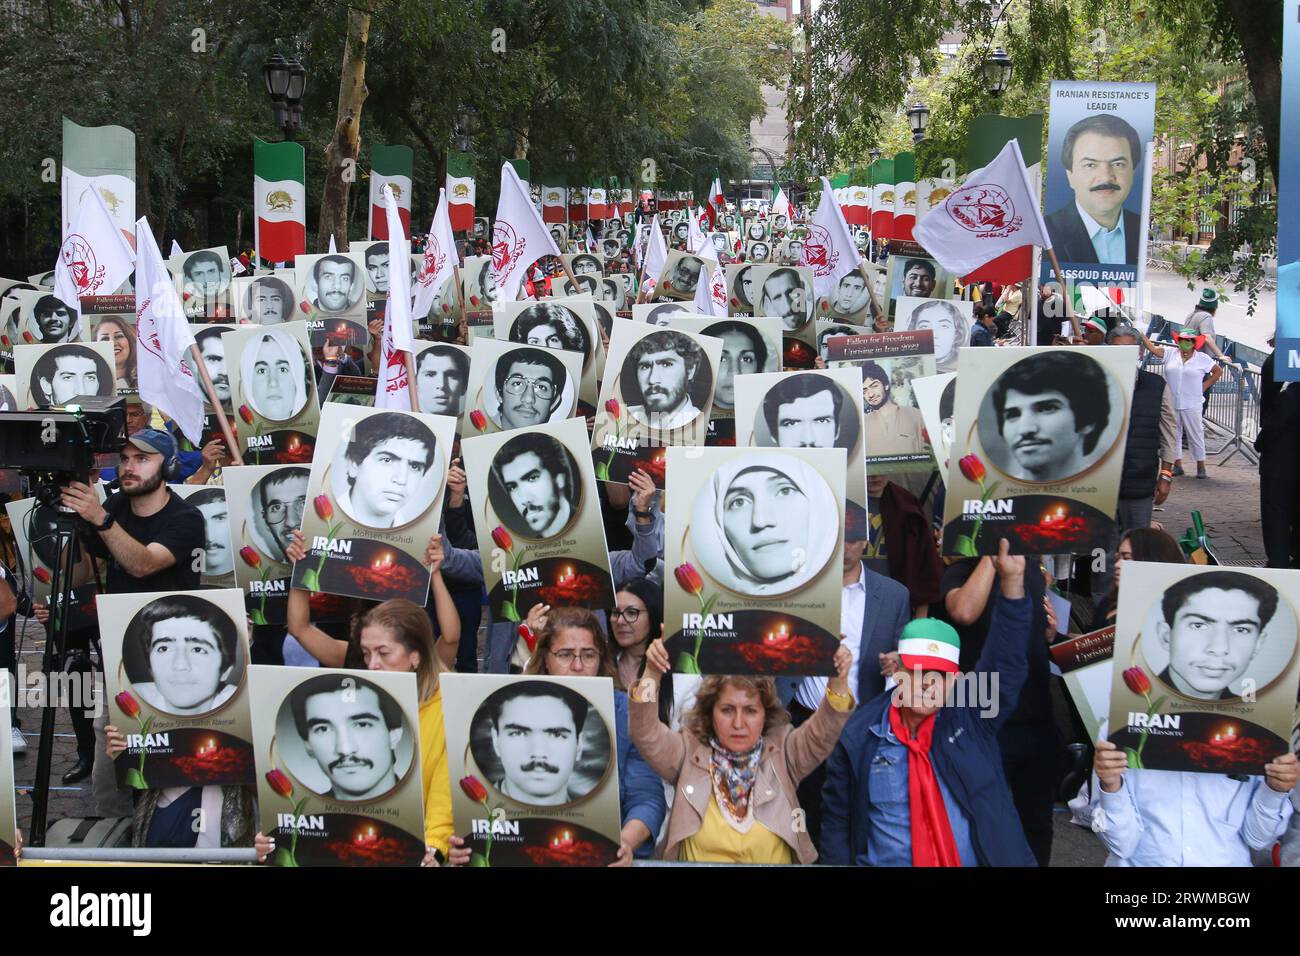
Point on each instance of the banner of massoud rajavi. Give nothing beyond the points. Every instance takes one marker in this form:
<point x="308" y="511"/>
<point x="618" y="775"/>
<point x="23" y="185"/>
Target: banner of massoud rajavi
<point x="338" y="765"/>
<point x="755" y="541"/>
<point x="1097" y="179"/>
<point x="658" y="391"/>
<point x="1287" y="366"/>
<point x="273" y="389"/>
<point x="376" y="488"/>
<point x="537" y="763"/>
<point x="1037" y="450"/>
<point x="1206" y="668"/>
<point x="537" y="513"/>
<point x="174" y="674"/>
<point x="8" y="817"/>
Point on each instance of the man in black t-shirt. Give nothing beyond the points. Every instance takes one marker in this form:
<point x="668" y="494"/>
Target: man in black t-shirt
<point x="152" y="540"/>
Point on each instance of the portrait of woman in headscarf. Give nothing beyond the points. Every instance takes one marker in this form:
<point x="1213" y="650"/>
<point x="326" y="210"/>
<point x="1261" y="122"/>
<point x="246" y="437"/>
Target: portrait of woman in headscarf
<point x="752" y="525"/>
<point x="273" y="376"/>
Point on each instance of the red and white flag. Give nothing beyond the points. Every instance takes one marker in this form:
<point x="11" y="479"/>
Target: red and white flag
<point x="781" y="206"/>
<point x="95" y="258"/>
<point x="656" y="257"/>
<point x="438" y="261"/>
<point x="519" y="237"/>
<point x="164" y="338"/>
<point x="713" y="209"/>
<point x="994" y="211"/>
<point x="829" y="249"/>
<point x="553" y="198"/>
<point x="393" y="386"/>
<point x="711" y="287"/>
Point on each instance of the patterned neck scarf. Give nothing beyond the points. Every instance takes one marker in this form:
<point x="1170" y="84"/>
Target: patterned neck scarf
<point x="733" y="781"/>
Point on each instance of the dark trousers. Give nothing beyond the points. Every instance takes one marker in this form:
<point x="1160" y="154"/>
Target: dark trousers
<point x="1279" y="500"/>
<point x="78" y="661"/>
<point x="1031" y="761"/>
<point x="469" y="607"/>
<point x="809" y="790"/>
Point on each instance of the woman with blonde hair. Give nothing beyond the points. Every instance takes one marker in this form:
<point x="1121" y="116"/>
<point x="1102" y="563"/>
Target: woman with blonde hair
<point x="116" y="331"/>
<point x="736" y="763"/>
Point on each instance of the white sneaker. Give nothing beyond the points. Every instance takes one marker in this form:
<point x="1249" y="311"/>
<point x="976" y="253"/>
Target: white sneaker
<point x="19" y="741"/>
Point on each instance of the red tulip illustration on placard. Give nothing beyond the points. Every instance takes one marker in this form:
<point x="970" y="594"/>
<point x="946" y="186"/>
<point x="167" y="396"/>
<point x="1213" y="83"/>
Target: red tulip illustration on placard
<point x="615" y="411"/>
<point x="501" y="538"/>
<point x="689" y="580"/>
<point x="1136" y="680"/>
<point x="254" y="560"/>
<point x="279" y="782"/>
<point x="324" y="509"/>
<point x="131" y="707"/>
<point x="972" y="469"/>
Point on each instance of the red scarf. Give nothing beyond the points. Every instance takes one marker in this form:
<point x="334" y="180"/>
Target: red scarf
<point x="932" y="840"/>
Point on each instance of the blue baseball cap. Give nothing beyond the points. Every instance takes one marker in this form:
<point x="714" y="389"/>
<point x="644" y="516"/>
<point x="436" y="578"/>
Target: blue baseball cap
<point x="154" y="441"/>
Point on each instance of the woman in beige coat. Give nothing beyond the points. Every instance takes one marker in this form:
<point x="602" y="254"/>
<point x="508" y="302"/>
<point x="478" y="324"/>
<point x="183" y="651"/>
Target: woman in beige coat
<point x="736" y="763"/>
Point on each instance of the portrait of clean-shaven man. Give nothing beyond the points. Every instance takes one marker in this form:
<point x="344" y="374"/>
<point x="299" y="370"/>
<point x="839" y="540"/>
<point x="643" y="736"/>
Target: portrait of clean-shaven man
<point x="182" y="655"/>
<point x="441" y="377"/>
<point x="274" y="375"/>
<point x="388" y="473"/>
<point x="810" y="411"/>
<point x="64" y="372"/>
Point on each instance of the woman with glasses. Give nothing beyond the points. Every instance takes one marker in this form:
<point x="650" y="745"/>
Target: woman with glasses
<point x="571" y="643"/>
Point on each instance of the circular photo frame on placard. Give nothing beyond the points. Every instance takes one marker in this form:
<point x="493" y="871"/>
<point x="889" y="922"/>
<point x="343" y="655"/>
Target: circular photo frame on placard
<point x="553" y="327"/>
<point x="345" y="738"/>
<point x="541" y="744"/>
<point x="218" y="555"/>
<point x="1212" y="636"/>
<point x="527" y="386"/>
<point x="744" y="352"/>
<point x="182" y="656"/>
<point x="334" y="286"/>
<point x="275" y="375"/>
<point x="275" y="511"/>
<point x="1051" y="417"/>
<point x="535" y="487"/>
<point x="945" y="320"/>
<point x="666" y="380"/>
<point x="441" y="380"/>
<point x="754" y="524"/>
<point x="64" y="372"/>
<point x="268" y="300"/>
<point x="585" y="264"/>
<point x="786" y="296"/>
<point x="807" y="410"/>
<point x="212" y="348"/>
<point x="387" y="473"/>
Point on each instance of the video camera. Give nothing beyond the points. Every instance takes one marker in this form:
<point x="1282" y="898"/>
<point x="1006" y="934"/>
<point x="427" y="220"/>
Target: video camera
<point x="56" y="444"/>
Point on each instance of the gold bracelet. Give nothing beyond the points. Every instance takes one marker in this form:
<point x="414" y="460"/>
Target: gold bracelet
<point x="839" y="701"/>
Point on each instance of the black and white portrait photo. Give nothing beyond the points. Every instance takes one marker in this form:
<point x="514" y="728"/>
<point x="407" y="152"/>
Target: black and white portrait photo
<point x="376" y="257"/>
<point x="787" y="297"/>
<point x="388" y="473"/>
<point x="213" y="350"/>
<point x="755" y="524"/>
<point x="743" y="353"/>
<point x="585" y="284"/>
<point x="666" y="380"/>
<point x="743" y="287"/>
<point x="344" y="737"/>
<point x="552" y="327"/>
<point x="268" y="300"/>
<point x="540" y="743"/>
<point x="586" y="264"/>
<point x="274" y="375"/>
<point x="948" y="321"/>
<point x="205" y="281"/>
<point x="485" y="286"/>
<point x="757" y="231"/>
<point x="182" y="655"/>
<point x="611" y="247"/>
<point x="681" y="231"/>
<point x="681" y="273"/>
<point x="334" y="285"/>
<point x="833" y="330"/>
<point x="52" y="321"/>
<point x="535" y="486"/>
<point x="1050" y="417"/>
<point x="218" y="556"/>
<point x="758" y="251"/>
<point x="661" y="315"/>
<point x="850" y="296"/>
<point x="441" y="377"/>
<point x="530" y="387"/>
<point x="276" y="510"/>
<point x="806" y="410"/>
<point x="62" y="373"/>
<point x="611" y="291"/>
<point x="560" y="235"/>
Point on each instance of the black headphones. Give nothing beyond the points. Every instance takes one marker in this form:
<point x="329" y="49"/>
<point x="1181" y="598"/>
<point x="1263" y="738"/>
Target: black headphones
<point x="171" y="469"/>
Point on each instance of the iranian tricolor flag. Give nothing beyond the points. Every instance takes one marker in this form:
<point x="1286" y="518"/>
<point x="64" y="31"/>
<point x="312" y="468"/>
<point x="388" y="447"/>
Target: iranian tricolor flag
<point x="625" y="204"/>
<point x="460" y="191"/>
<point x="597" y="203"/>
<point x="279" y="200"/>
<point x="102" y="157"/>
<point x="553" y="203"/>
<point x="390" y="166"/>
<point x="882" y="199"/>
<point x="904" y="195"/>
<point x="857" y="211"/>
<point x="988" y="135"/>
<point x="578" y="204"/>
<point x="781" y="205"/>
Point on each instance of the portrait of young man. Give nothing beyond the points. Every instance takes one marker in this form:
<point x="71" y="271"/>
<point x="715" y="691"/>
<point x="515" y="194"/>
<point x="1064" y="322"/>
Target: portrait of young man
<point x="536" y="735"/>
<point x="1100" y="154"/>
<point x="1213" y="626"/>
<point x="586" y="265"/>
<point x="268" y="301"/>
<point x="1051" y="411"/>
<point x="376" y="257"/>
<point x="534" y="486"/>
<point x="381" y="476"/>
<point x="276" y="509"/>
<point x="487" y="286"/>
<point x="206" y="278"/>
<point x="920" y="278"/>
<point x="785" y="297"/>
<point x="807" y="411"/>
<point x="182" y="655"/>
<point x="66" y="371"/>
<point x="831" y="332"/>
<point x="53" y="321"/>
<point x="352" y="729"/>
<point x="665" y="379"/>
<point x="684" y="274"/>
<point x="892" y="429"/>
<point x="274" y="376"/>
<point x="850" y="296"/>
<point x="744" y="288"/>
<point x="441" y="376"/>
<point x="552" y="327"/>
<point x="338" y="288"/>
<point x="530" y="386"/>
<point x="743" y="353"/>
<point x="218" y="558"/>
<point x="213" y="351"/>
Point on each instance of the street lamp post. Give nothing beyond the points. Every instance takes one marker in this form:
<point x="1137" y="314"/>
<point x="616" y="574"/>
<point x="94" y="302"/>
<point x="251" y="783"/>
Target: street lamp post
<point x="917" y="117"/>
<point x="286" y="82"/>
<point x="997" y="72"/>
<point x="570" y="156"/>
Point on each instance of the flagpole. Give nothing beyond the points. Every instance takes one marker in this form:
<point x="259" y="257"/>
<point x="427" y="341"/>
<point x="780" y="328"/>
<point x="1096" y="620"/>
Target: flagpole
<point x="410" y="382"/>
<point x="871" y="290"/>
<point x="215" y="402"/>
<point x="1065" y="293"/>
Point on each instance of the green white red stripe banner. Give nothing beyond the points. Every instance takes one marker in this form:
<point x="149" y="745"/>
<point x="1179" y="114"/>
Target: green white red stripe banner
<point x="390" y="166"/>
<point x="904" y="195"/>
<point x="460" y="191"/>
<point x="882" y="199"/>
<point x="102" y="157"/>
<point x="279" y="200"/>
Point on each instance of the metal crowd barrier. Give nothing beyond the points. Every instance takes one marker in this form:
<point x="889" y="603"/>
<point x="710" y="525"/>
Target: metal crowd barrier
<point x="123" y="854"/>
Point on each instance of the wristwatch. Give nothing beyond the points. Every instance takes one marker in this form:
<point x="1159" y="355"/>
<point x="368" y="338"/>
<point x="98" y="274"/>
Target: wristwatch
<point x="642" y="514"/>
<point x="107" y="522"/>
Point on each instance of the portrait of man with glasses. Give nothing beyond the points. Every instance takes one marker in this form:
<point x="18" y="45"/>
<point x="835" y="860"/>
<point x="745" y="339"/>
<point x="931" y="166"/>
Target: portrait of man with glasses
<point x="530" y="388"/>
<point x="534" y="486"/>
<point x="278" y="503"/>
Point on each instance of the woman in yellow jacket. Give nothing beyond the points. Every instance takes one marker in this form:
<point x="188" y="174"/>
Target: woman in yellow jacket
<point x="397" y="635"/>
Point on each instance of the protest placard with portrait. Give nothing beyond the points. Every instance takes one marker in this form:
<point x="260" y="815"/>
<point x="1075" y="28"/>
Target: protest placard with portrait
<point x="339" y="779"/>
<point x="441" y="377"/>
<point x="273" y="390"/>
<point x="917" y="276"/>
<point x="332" y="298"/>
<point x="949" y="322"/>
<point x="566" y="323"/>
<point x="519" y="386"/>
<point x="36" y="528"/>
<point x="936" y="397"/>
<point x="1086" y="662"/>
<point x="203" y="283"/>
<point x="175" y="665"/>
<point x="58" y="374"/>
<point x="375" y="255"/>
<point x="479" y="288"/>
<point x="218" y="553"/>
<point x="679" y="277"/>
<point x="111" y="319"/>
<point x="265" y="299"/>
<point x="1205" y="669"/>
<point x="536" y="760"/>
<point x="830" y="328"/>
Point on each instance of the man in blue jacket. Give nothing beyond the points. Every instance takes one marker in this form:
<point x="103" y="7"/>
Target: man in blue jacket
<point x="916" y="778"/>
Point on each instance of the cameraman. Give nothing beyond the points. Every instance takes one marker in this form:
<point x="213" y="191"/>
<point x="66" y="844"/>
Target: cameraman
<point x="151" y="539"/>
